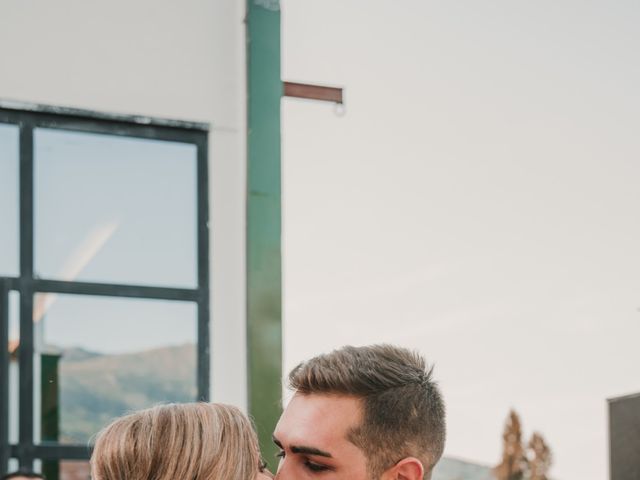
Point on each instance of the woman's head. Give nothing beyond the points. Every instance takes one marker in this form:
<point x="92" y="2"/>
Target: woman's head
<point x="191" y="441"/>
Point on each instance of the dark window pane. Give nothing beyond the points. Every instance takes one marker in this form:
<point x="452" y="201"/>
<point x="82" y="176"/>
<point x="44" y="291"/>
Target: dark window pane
<point x="9" y="183"/>
<point x="114" y="209"/>
<point x="98" y="358"/>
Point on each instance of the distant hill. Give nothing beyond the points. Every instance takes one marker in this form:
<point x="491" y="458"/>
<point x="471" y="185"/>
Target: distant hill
<point x="455" y="469"/>
<point x="76" y="354"/>
<point x="96" y="388"/>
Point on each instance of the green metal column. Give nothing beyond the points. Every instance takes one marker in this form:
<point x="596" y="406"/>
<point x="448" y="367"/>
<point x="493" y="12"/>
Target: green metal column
<point x="264" y="259"/>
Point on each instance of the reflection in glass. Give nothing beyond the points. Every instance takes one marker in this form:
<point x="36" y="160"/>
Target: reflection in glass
<point x="66" y="469"/>
<point x="14" y="340"/>
<point x="9" y="182"/>
<point x="114" y="209"/>
<point x="102" y="357"/>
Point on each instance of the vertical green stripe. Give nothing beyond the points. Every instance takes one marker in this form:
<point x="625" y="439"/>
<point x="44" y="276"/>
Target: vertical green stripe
<point x="264" y="264"/>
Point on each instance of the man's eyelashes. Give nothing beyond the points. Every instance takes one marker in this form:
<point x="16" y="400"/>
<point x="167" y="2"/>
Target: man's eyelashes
<point x="308" y="464"/>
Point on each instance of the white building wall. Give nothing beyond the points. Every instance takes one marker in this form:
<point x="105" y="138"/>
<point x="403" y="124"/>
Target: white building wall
<point x="182" y="60"/>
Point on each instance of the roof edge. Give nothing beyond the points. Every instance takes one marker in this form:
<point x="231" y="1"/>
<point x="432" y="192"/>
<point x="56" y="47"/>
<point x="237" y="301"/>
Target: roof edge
<point x="623" y="397"/>
<point x="19" y="106"/>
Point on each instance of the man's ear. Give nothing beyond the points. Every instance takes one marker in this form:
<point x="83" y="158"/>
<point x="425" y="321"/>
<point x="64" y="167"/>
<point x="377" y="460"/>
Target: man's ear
<point x="409" y="468"/>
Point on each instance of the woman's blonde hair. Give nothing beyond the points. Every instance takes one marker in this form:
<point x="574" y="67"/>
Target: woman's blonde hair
<point x="189" y="441"/>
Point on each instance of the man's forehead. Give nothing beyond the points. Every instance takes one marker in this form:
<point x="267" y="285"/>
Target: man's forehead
<point x="325" y="419"/>
<point x="321" y="404"/>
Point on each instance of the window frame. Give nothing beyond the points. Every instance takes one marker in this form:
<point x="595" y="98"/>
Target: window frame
<point x="28" y="117"/>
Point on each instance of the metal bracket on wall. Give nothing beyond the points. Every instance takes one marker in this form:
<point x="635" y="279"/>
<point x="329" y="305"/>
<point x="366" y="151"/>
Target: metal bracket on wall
<point x="313" y="92"/>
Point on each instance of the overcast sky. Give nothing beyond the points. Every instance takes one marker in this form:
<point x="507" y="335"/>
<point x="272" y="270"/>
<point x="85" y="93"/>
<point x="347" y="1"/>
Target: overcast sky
<point x="479" y="201"/>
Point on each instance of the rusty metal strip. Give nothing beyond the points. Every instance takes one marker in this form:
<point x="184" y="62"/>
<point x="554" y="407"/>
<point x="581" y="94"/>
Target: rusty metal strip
<point x="313" y="92"/>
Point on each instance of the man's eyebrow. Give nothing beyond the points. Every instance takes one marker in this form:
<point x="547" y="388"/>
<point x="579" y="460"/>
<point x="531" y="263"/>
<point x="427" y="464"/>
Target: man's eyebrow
<point x="310" y="451"/>
<point x="303" y="449"/>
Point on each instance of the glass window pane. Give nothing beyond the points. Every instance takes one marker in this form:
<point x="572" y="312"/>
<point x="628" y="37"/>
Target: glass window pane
<point x="114" y="209"/>
<point x="66" y="469"/>
<point x="9" y="183"/>
<point x="13" y="464"/>
<point x="14" y="339"/>
<point x="98" y="358"/>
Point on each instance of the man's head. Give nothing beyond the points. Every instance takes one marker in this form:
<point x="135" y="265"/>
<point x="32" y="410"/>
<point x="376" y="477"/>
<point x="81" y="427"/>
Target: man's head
<point x="362" y="413"/>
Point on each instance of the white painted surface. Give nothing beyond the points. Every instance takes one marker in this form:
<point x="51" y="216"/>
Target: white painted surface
<point x="183" y="60"/>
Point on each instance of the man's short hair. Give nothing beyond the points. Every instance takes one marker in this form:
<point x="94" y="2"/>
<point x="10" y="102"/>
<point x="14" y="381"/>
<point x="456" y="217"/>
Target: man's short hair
<point x="23" y="473"/>
<point x="403" y="410"/>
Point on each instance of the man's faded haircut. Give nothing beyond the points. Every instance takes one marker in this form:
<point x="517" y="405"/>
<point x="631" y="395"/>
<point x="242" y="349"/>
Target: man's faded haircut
<point x="403" y="410"/>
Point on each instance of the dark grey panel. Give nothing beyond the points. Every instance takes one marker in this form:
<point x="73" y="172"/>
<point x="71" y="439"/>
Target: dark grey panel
<point x="624" y="437"/>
